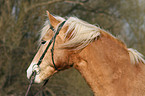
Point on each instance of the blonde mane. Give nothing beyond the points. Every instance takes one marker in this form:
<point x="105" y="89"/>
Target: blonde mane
<point x="135" y="56"/>
<point x="80" y="33"/>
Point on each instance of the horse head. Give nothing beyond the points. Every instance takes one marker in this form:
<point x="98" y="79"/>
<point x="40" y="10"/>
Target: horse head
<point x="61" y="56"/>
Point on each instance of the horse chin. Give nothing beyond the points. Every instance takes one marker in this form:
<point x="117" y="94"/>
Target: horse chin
<point x="44" y="75"/>
<point x="37" y="79"/>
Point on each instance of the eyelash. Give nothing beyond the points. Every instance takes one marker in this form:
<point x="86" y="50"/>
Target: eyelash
<point x="43" y="42"/>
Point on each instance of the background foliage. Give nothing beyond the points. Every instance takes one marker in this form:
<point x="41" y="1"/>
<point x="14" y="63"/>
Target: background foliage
<point x="21" y="21"/>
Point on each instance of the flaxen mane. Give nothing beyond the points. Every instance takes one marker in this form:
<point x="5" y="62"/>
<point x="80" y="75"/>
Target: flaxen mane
<point x="135" y="56"/>
<point x="80" y="33"/>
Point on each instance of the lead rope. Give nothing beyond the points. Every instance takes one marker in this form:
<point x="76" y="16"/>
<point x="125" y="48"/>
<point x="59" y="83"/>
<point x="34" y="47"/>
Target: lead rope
<point x="41" y="58"/>
<point x="31" y="82"/>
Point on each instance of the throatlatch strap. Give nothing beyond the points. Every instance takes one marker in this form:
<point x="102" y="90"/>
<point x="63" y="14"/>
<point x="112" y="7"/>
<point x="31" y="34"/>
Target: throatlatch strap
<point x="52" y="49"/>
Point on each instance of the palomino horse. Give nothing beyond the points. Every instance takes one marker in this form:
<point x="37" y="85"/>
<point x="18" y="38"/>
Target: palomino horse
<point x="108" y="66"/>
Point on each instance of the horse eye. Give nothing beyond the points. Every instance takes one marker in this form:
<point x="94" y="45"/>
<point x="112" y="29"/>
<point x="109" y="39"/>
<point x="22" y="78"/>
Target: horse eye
<point x="43" y="42"/>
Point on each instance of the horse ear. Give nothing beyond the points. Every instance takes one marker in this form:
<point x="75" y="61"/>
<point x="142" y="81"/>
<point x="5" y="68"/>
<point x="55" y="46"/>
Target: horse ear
<point x="52" y="20"/>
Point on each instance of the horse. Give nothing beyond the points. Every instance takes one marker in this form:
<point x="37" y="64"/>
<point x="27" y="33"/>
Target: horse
<point x="107" y="65"/>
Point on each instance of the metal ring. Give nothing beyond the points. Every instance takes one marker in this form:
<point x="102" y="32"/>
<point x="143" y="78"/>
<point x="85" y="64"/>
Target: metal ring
<point x="35" y="67"/>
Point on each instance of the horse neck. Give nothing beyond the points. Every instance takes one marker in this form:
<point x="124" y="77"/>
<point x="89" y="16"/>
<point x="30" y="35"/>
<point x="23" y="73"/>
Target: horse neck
<point x="106" y="67"/>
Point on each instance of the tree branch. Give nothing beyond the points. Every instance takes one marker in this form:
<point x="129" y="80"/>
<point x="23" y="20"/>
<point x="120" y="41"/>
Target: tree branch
<point x="41" y="4"/>
<point x="51" y="2"/>
<point x="75" y="2"/>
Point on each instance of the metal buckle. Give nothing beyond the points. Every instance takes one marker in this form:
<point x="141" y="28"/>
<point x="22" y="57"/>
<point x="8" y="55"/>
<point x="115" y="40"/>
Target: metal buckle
<point x="36" y="68"/>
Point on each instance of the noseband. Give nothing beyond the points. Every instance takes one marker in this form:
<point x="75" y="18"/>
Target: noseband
<point x="42" y="56"/>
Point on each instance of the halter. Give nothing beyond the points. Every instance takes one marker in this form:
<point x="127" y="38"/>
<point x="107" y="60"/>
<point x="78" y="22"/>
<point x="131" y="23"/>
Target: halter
<point x="50" y="42"/>
<point x="42" y="56"/>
